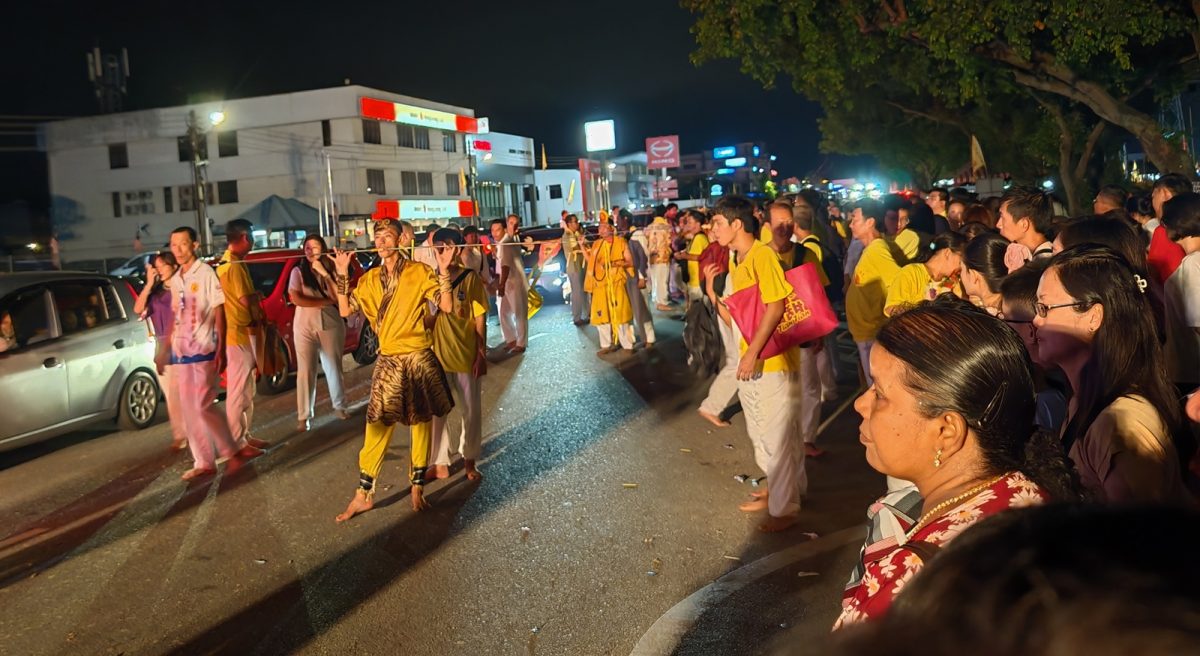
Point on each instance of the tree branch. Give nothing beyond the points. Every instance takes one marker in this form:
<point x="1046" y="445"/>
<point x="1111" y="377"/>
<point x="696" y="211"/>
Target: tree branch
<point x="1089" y="147"/>
<point x="940" y="120"/>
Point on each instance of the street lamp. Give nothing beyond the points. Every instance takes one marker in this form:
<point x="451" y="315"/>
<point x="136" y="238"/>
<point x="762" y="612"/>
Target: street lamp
<point x="216" y="118"/>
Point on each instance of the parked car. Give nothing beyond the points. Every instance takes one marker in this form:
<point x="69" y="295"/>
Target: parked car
<point x="134" y="267"/>
<point x="270" y="270"/>
<point x="80" y="356"/>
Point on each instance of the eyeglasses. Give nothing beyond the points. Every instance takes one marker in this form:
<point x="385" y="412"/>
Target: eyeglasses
<point x="1042" y="309"/>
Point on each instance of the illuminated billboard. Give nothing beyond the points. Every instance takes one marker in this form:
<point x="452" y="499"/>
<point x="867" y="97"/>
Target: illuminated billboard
<point x="735" y="161"/>
<point x="600" y="135"/>
<point x="724" y="151"/>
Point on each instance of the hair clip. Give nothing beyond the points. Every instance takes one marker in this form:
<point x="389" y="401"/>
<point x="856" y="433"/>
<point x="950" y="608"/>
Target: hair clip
<point x="1141" y="282"/>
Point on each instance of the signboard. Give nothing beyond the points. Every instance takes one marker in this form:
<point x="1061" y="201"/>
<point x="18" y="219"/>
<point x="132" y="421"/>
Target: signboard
<point x="422" y="210"/>
<point x="662" y="152"/>
<point x="664" y="189"/>
<point x="724" y="171"/>
<point x="394" y="112"/>
<point x="724" y="151"/>
<point x="735" y="162"/>
<point x="600" y="135"/>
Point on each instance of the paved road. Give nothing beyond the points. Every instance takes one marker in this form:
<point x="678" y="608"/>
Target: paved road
<point x="104" y="550"/>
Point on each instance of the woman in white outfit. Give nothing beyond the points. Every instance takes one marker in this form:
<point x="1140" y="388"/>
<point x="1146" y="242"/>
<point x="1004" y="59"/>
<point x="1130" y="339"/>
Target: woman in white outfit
<point x="318" y="331"/>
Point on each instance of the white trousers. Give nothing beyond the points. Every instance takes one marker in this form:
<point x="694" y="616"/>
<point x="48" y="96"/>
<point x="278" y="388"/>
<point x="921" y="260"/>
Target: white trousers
<point x="579" y="299"/>
<point x="327" y="346"/>
<point x="770" y="402"/>
<point x="466" y="389"/>
<point x="239" y="390"/>
<point x="643" y="320"/>
<point x="659" y="276"/>
<point x="624" y="335"/>
<point x="864" y="356"/>
<point x="208" y="430"/>
<point x="809" y="382"/>
<point x="170" y="383"/>
<point x="724" y="388"/>
<point x="514" y="312"/>
<point x="825" y="369"/>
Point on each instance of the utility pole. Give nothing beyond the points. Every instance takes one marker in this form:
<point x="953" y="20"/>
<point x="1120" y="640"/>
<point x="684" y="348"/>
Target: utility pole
<point x="196" y="138"/>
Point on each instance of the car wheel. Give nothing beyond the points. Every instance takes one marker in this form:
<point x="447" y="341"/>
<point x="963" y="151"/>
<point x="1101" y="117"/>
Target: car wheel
<point x="138" y="402"/>
<point x="368" y="346"/>
<point x="282" y="380"/>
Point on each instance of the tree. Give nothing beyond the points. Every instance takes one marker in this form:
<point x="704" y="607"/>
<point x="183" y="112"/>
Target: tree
<point x="1107" y="57"/>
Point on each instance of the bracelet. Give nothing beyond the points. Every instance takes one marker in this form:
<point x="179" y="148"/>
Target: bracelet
<point x="342" y="283"/>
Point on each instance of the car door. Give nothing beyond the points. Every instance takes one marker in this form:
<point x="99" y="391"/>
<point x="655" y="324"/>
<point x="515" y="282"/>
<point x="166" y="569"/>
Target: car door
<point x="33" y="373"/>
<point x="95" y="336"/>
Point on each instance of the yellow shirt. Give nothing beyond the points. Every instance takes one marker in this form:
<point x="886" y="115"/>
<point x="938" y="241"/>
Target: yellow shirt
<point x="402" y="329"/>
<point x="912" y="285"/>
<point x="909" y="242"/>
<point x="761" y="267"/>
<point x="765" y="235"/>
<point x="454" y="339"/>
<point x="699" y="243"/>
<point x="235" y="284"/>
<point x="812" y="244"/>
<point x="868" y="290"/>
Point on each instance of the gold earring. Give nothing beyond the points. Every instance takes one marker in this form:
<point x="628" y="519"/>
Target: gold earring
<point x="937" y="459"/>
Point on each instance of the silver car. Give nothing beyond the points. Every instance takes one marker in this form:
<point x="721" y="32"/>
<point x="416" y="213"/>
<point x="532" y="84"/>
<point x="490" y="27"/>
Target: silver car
<point x="72" y="352"/>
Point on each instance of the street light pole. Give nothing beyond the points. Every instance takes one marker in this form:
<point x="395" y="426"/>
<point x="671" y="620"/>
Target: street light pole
<point x="196" y="136"/>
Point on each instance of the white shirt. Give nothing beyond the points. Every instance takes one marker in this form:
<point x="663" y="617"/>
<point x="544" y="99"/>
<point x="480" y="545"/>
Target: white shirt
<point x="508" y="253"/>
<point x="1151" y="225"/>
<point x="197" y="298"/>
<point x="1182" y="292"/>
<point x="321" y="318"/>
<point x="424" y="254"/>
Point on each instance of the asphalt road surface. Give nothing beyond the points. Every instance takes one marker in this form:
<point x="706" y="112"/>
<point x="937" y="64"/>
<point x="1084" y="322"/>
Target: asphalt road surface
<point x="605" y="501"/>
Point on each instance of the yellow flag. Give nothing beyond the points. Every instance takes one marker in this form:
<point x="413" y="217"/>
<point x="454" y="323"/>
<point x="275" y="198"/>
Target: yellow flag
<point x="462" y="181"/>
<point x="571" y="192"/>
<point x="978" y="164"/>
<point x="544" y="167"/>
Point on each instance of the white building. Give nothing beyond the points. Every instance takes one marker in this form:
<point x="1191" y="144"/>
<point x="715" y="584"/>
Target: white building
<point x="504" y="184"/>
<point x="117" y="176"/>
<point x="558" y="190"/>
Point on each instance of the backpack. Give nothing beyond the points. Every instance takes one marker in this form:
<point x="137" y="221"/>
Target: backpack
<point x="702" y="338"/>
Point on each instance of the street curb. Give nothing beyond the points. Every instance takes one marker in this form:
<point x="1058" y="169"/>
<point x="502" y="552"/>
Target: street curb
<point x="664" y="635"/>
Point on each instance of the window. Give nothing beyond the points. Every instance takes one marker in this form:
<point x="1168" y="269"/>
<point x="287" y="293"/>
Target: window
<point x="408" y="183"/>
<point x="116" y="201"/>
<point x="422" y="138"/>
<point x="31" y="318"/>
<point x="168" y="199"/>
<point x="375" y="182"/>
<point x="227" y="191"/>
<point x="405" y="137"/>
<point x="227" y="144"/>
<point x="453" y="188"/>
<point x="136" y="203"/>
<point x="371" y="132"/>
<point x="326" y="133"/>
<point x="187" y="200"/>
<point x="556" y="191"/>
<point x="425" y="184"/>
<point x="185" y="148"/>
<point x="82" y="306"/>
<point x="450" y="142"/>
<point x="118" y="156"/>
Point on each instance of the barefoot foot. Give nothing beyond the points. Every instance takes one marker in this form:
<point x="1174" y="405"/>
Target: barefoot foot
<point x="777" y="524"/>
<point x="435" y="472"/>
<point x="361" y="503"/>
<point x="759" y="494"/>
<point x="472" y="473"/>
<point x="753" y="506"/>
<point x="196" y="473"/>
<point x="713" y="419"/>
<point x="418" y="498"/>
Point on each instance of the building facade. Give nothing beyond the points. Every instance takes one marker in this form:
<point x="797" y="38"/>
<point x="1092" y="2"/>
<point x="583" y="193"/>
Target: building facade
<point x="120" y="177"/>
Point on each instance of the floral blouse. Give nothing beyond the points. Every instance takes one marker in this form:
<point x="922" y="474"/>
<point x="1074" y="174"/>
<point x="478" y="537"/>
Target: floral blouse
<point x="889" y="571"/>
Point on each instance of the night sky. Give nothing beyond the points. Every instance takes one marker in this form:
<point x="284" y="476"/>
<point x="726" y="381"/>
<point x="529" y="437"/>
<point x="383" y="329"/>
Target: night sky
<point x="538" y="71"/>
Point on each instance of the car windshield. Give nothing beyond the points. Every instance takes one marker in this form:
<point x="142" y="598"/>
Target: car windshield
<point x="265" y="276"/>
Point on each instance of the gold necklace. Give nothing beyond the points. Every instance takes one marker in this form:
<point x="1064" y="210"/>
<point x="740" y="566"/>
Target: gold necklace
<point x="950" y="503"/>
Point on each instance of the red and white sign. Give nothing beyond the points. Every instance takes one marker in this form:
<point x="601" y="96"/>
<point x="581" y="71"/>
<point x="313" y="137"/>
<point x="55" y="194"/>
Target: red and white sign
<point x="480" y="146"/>
<point x="662" y="152"/>
<point x="664" y="189"/>
<point x="386" y="110"/>
<point x="422" y="210"/>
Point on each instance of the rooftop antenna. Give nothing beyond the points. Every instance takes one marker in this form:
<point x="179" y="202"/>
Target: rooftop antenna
<point x="109" y="75"/>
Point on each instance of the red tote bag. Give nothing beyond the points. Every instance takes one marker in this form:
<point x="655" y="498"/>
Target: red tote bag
<point x="807" y="314"/>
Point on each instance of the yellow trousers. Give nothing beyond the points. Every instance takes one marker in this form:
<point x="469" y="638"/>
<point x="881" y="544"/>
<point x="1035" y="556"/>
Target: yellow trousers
<point x="375" y="445"/>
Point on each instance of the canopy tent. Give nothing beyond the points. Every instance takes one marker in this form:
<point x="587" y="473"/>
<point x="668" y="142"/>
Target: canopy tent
<point x="275" y="213"/>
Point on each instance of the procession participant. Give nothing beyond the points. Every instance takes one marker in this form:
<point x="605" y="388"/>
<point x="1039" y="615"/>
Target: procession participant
<point x="243" y="319"/>
<point x="697" y="242"/>
<point x="609" y="265"/>
<point x="572" y="250"/>
<point x="408" y="385"/>
<point x="804" y="221"/>
<point x="511" y="289"/>
<point x="637" y="287"/>
<point x="318" y="333"/>
<point x="154" y="303"/>
<point x="872" y="276"/>
<point x="198" y="355"/>
<point x="460" y="343"/>
<point x="658" y="236"/>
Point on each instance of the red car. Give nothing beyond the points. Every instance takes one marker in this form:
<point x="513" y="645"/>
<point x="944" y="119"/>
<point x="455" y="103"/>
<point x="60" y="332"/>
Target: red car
<point x="270" y="270"/>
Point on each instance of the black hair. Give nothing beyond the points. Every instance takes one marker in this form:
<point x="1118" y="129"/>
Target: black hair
<point x="941" y="191"/>
<point x="670" y="205"/>
<point x="307" y="275"/>
<point x="186" y="230"/>
<point x="168" y="257"/>
<point x="1181" y="216"/>
<point x="959" y="359"/>
<point x="803" y="216"/>
<point x="1102" y="231"/>
<point x="951" y="241"/>
<point x="500" y="222"/>
<point x="972" y="229"/>
<point x="1126" y="357"/>
<point x="472" y="230"/>
<point x="920" y="219"/>
<point x="1020" y="287"/>
<point x="738" y="208"/>
<point x="1174" y="183"/>
<point x="985" y="255"/>
<point x="871" y="209"/>
<point x="1033" y="204"/>
<point x="1113" y="194"/>
<point x="238" y="228"/>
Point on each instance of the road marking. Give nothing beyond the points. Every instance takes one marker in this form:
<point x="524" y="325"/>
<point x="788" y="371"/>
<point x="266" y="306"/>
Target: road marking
<point x="664" y="635"/>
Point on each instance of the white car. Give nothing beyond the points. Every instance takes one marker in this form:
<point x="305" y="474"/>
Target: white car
<point x="78" y="355"/>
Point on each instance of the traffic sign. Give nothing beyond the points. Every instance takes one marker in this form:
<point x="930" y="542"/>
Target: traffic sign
<point x="662" y="152"/>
